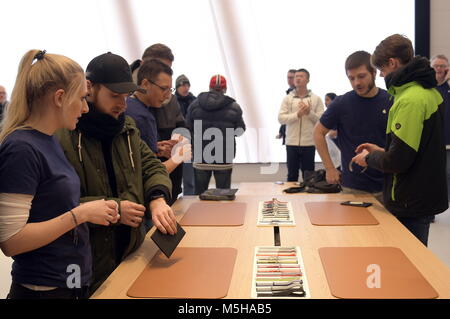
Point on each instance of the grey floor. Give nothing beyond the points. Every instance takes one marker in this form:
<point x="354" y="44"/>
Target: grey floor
<point x="438" y="242"/>
<point x="439" y="238"/>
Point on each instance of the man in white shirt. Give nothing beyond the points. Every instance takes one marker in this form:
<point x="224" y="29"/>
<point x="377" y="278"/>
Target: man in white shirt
<point x="300" y="111"/>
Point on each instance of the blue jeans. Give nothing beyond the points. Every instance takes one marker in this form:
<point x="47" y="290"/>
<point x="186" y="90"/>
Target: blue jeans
<point x="202" y="178"/>
<point x="418" y="226"/>
<point x="188" y="179"/>
<point x="299" y="157"/>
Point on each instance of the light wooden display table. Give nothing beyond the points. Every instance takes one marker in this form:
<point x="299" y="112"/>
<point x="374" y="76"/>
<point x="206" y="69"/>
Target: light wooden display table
<point x="389" y="233"/>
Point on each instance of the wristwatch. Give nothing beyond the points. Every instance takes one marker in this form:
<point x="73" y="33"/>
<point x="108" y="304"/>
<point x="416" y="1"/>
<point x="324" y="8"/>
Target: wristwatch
<point x="156" y="196"/>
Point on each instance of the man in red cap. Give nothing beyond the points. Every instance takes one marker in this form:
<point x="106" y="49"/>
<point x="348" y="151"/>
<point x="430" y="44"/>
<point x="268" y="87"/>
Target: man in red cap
<point x="214" y="120"/>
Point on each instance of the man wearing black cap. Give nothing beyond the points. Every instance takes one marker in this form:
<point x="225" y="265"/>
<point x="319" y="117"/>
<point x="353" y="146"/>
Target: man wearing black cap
<point x="114" y="163"/>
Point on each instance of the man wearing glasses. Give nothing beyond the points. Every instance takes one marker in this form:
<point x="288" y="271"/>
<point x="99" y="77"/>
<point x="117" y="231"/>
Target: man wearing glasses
<point x="155" y="78"/>
<point x="168" y="116"/>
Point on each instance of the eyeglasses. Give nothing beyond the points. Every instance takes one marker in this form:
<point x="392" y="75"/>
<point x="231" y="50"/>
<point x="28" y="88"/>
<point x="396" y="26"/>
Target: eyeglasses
<point x="165" y="90"/>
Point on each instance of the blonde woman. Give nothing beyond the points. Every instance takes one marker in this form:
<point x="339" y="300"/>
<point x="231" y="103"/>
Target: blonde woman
<point x="42" y="225"/>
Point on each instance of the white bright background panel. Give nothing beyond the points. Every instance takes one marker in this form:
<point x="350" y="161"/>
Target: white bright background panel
<point x="274" y="36"/>
<point x="252" y="42"/>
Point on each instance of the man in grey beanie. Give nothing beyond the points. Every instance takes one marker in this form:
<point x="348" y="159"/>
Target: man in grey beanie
<point x="185" y="98"/>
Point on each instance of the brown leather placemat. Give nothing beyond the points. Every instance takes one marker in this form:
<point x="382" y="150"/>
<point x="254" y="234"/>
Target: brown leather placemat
<point x="335" y="214"/>
<point x="189" y="273"/>
<point x="351" y="270"/>
<point x="214" y="214"/>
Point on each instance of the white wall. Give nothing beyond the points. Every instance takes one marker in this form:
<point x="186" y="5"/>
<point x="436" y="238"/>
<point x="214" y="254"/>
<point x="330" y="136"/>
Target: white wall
<point x="440" y="28"/>
<point x="253" y="42"/>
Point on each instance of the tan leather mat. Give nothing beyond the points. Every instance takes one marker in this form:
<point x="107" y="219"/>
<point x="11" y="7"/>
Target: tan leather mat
<point x="373" y="273"/>
<point x="335" y="214"/>
<point x="214" y="214"/>
<point x="189" y="273"/>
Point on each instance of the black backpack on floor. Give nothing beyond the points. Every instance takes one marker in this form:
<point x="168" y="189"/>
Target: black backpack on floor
<point x="315" y="182"/>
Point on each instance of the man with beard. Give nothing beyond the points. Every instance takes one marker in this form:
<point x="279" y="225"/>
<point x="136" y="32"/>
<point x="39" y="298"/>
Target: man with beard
<point x="114" y="163"/>
<point x="359" y="116"/>
<point x="413" y="160"/>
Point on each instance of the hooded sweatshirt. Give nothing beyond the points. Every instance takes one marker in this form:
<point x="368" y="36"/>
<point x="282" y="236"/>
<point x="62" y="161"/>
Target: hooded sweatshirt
<point x="414" y="160"/>
<point x="214" y="120"/>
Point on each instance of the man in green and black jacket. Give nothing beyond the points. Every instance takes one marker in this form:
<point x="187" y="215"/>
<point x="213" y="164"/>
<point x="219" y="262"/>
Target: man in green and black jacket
<point x="113" y="162"/>
<point x="414" y="159"/>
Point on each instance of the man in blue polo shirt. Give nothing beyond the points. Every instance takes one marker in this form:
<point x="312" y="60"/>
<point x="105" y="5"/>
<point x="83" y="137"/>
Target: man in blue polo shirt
<point x="358" y="115"/>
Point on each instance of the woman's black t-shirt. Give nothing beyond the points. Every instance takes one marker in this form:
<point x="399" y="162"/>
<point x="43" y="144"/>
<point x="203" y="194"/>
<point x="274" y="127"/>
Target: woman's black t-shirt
<point x="34" y="163"/>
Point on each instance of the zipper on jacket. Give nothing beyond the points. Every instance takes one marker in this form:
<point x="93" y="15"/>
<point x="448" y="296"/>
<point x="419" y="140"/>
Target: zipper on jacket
<point x="301" y="121"/>
<point x="300" y="133"/>
<point x="300" y="128"/>
<point x="394" y="182"/>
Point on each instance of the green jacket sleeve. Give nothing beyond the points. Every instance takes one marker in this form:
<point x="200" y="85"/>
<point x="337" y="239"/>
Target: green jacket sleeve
<point x="154" y="175"/>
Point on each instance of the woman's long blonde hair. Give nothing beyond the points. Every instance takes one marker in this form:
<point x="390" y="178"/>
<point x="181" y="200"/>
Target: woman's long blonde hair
<point x="39" y="74"/>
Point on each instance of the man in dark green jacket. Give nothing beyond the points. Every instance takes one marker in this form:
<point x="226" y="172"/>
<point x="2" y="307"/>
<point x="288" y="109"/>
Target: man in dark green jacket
<point x="114" y="163"/>
<point x="414" y="159"/>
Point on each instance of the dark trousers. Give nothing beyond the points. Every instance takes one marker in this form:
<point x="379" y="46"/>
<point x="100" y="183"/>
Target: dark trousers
<point x="419" y="226"/>
<point x="18" y="291"/>
<point x="176" y="177"/>
<point x="299" y="157"/>
<point x="188" y="179"/>
<point x="202" y="178"/>
<point x="448" y="174"/>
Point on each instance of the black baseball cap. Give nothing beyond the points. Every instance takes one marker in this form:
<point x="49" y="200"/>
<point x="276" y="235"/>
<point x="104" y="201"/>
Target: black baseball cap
<point x="112" y="71"/>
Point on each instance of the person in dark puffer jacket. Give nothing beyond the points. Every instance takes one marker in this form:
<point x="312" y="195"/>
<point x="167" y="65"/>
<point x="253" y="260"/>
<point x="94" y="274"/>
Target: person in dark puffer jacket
<point x="214" y="114"/>
<point x="414" y="158"/>
<point x="185" y="98"/>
